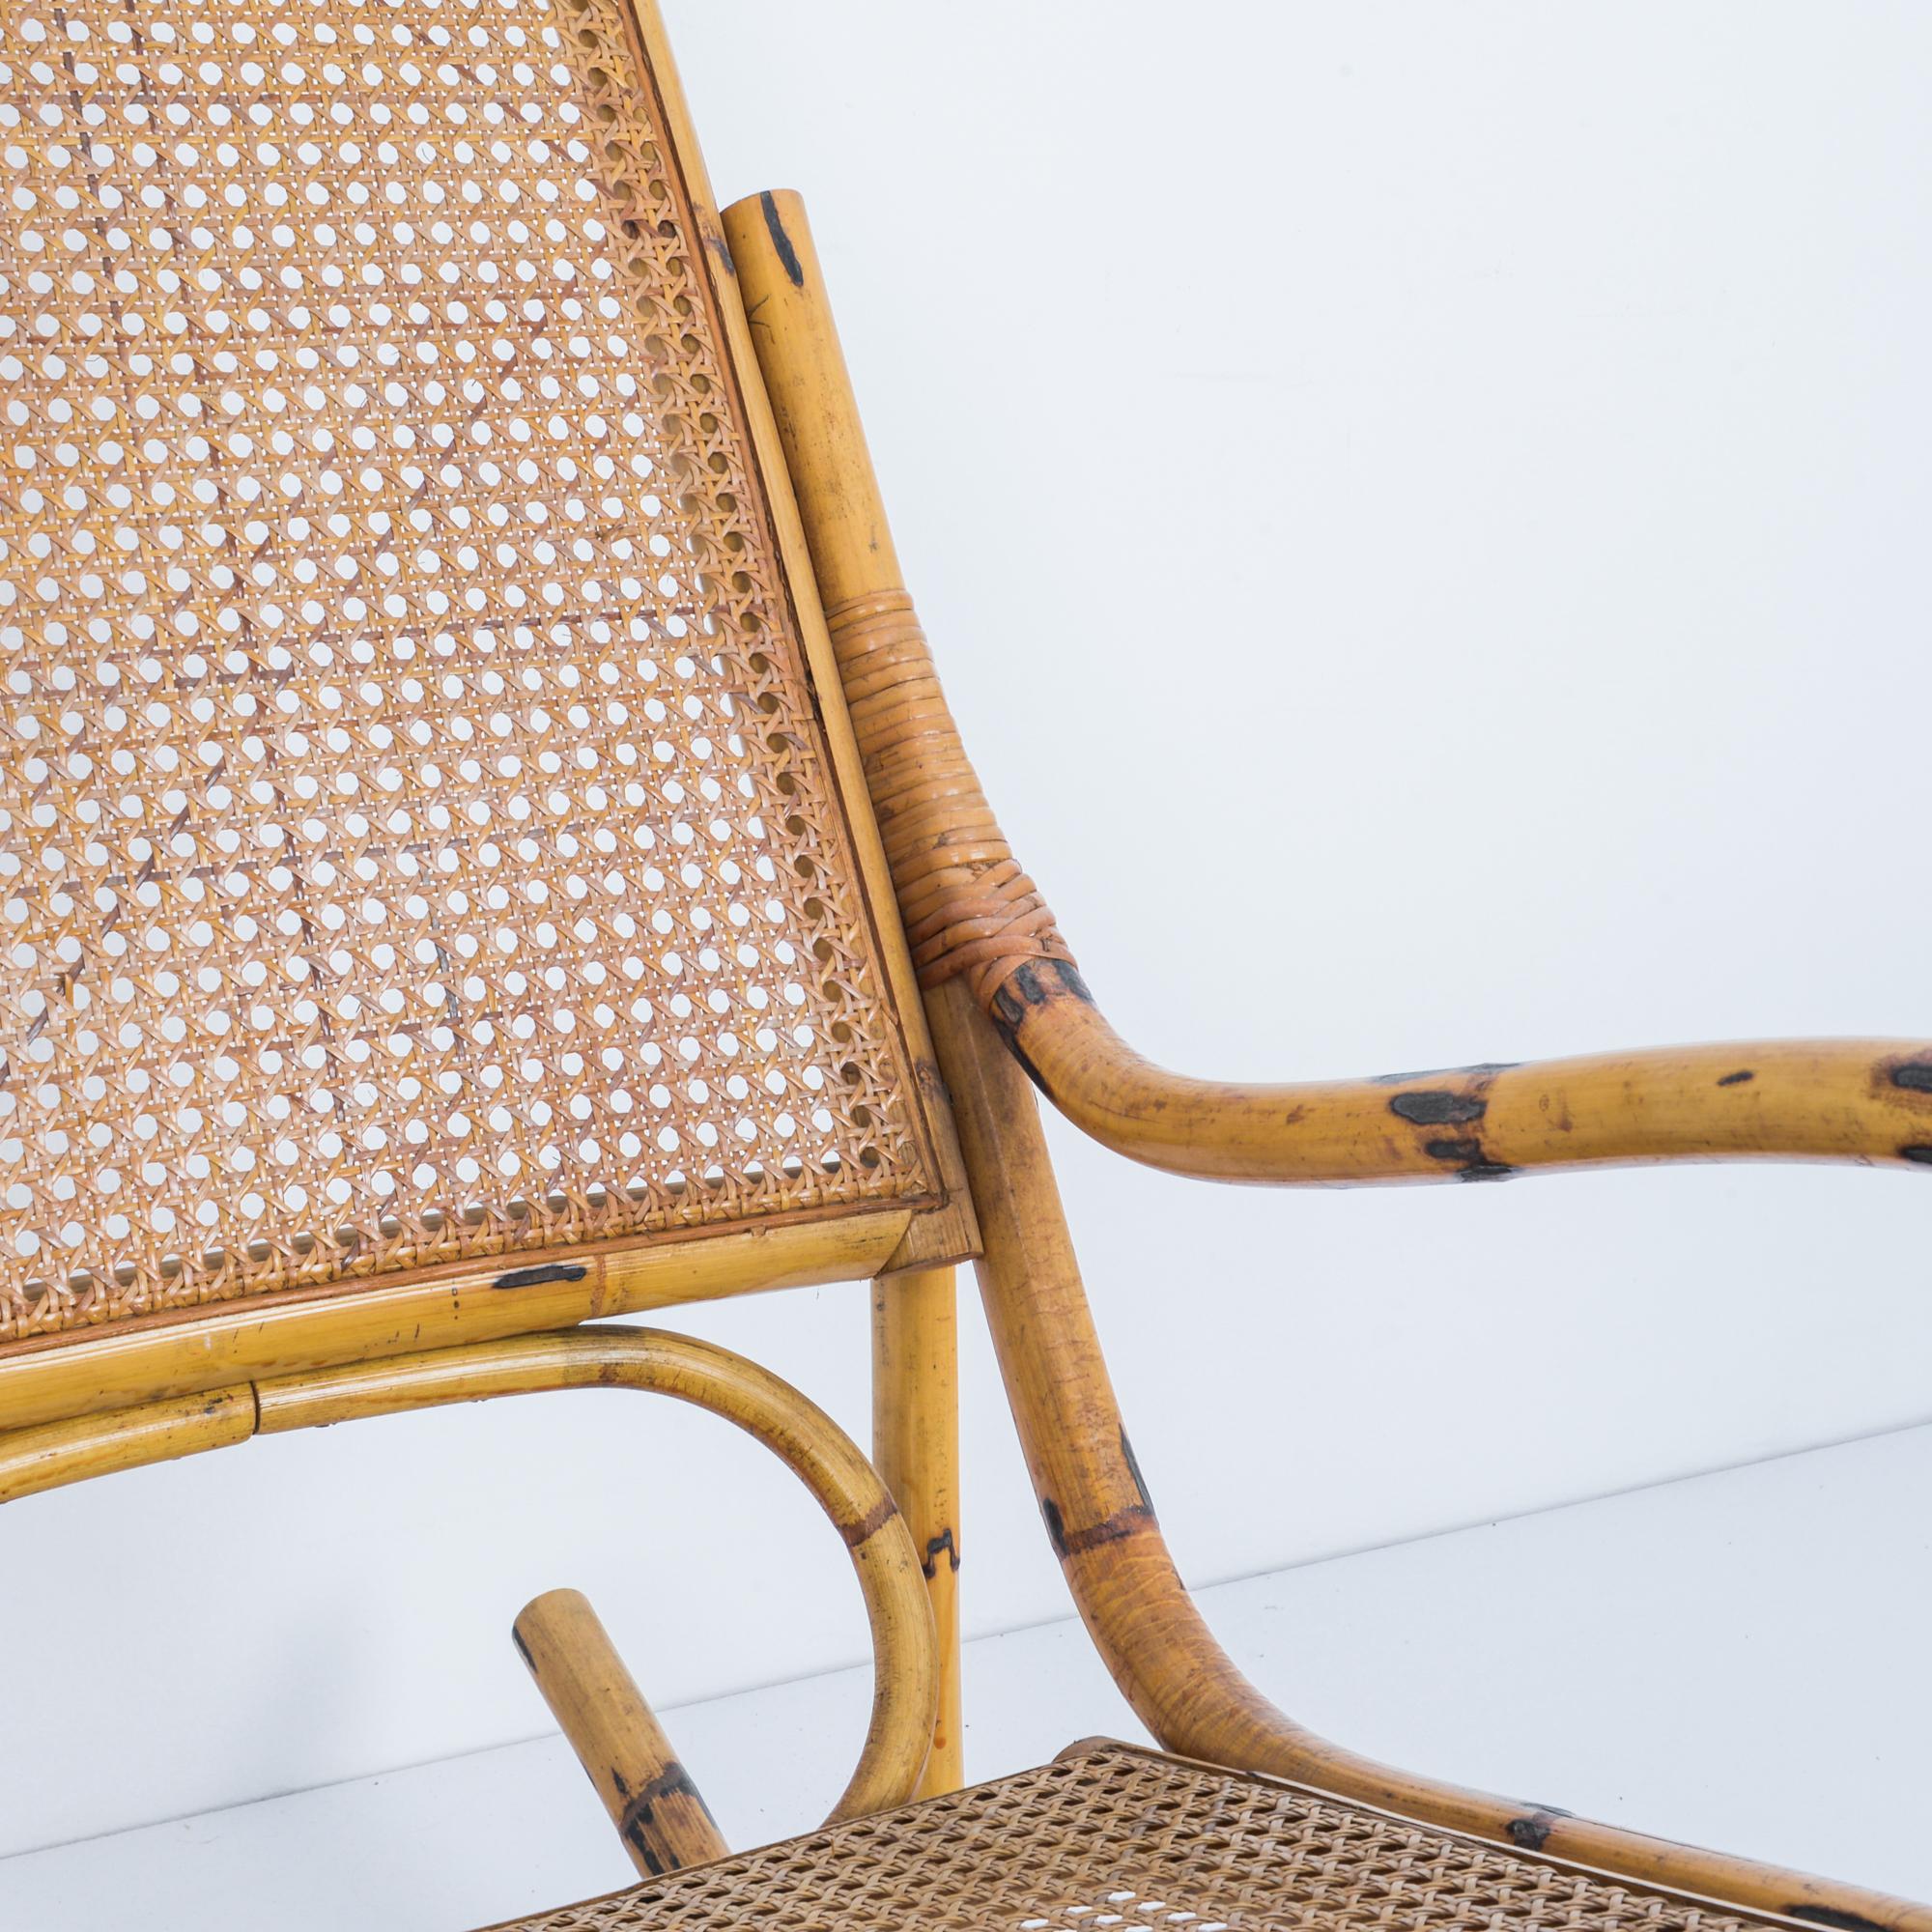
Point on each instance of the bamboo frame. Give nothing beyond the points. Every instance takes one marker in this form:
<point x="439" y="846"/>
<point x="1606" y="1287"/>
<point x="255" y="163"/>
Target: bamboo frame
<point x="1001" y="995"/>
<point x="1016" y="1004"/>
<point x="659" y="1812"/>
<point x="916" y="1450"/>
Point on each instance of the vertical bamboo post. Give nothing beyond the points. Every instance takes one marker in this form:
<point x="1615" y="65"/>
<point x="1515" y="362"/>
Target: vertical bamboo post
<point x="851" y="544"/>
<point x="916" y="1448"/>
<point x="915" y="1401"/>
<point x="655" y="1806"/>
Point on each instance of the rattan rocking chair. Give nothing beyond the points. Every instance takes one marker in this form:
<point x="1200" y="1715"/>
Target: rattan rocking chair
<point x="483" y="848"/>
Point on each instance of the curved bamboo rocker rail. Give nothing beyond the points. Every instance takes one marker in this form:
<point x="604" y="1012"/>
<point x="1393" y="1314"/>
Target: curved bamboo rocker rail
<point x="905" y="1681"/>
<point x="1003" y="994"/>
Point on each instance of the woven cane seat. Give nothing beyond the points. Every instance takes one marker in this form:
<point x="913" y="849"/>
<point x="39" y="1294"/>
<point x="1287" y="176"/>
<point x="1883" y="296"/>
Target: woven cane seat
<point x="417" y="839"/>
<point x="1113" y="1839"/>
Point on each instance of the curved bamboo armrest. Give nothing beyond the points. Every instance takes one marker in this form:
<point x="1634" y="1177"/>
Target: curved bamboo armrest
<point x="1864" y="1100"/>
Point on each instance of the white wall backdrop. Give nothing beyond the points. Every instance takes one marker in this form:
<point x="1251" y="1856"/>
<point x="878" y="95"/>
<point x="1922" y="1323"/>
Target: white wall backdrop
<point x="1445" y="487"/>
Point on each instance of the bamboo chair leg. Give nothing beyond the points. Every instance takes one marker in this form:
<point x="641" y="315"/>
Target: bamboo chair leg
<point x="655" y="1806"/>
<point x="916" y="1449"/>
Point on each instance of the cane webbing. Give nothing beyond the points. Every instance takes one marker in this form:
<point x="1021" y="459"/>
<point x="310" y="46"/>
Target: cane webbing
<point x="417" y="838"/>
<point x="1130" y="1841"/>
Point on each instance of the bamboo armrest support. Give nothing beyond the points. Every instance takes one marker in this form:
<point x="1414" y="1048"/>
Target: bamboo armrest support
<point x="1863" y="1101"/>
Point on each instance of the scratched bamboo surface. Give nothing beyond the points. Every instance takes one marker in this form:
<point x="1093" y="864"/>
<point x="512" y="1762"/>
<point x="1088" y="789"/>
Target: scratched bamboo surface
<point x="987" y="933"/>
<point x="658" y="1810"/>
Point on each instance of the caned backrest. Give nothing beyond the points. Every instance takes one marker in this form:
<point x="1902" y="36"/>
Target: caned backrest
<point x="421" y="840"/>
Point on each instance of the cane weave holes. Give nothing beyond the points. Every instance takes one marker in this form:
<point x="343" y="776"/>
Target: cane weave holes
<point x="416" y="841"/>
<point x="1124" y="1841"/>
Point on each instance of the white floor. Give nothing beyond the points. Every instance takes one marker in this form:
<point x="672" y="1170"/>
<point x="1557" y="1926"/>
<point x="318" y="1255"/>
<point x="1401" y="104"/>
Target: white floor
<point x="1739" y="1659"/>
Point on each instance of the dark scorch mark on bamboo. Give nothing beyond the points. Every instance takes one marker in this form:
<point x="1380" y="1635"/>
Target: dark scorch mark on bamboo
<point x="1035" y="983"/>
<point x="1470" y="1160"/>
<point x="535" y="1277"/>
<point x="870" y="1523"/>
<point x="1438" y="1107"/>
<point x="1738" y="1078"/>
<point x="1913" y="1075"/>
<point x="1450" y="1107"/>
<point x="1531" y="1830"/>
<point x="1111" y="1529"/>
<point x="1830" y="1915"/>
<point x="1038" y="982"/>
<point x="781" y="241"/>
<point x="672" y="1781"/>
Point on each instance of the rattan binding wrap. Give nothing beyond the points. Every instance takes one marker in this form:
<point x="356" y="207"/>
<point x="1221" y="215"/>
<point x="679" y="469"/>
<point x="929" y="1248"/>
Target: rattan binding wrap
<point x="1134" y="1843"/>
<point x="416" y="840"/>
<point x="967" y="905"/>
